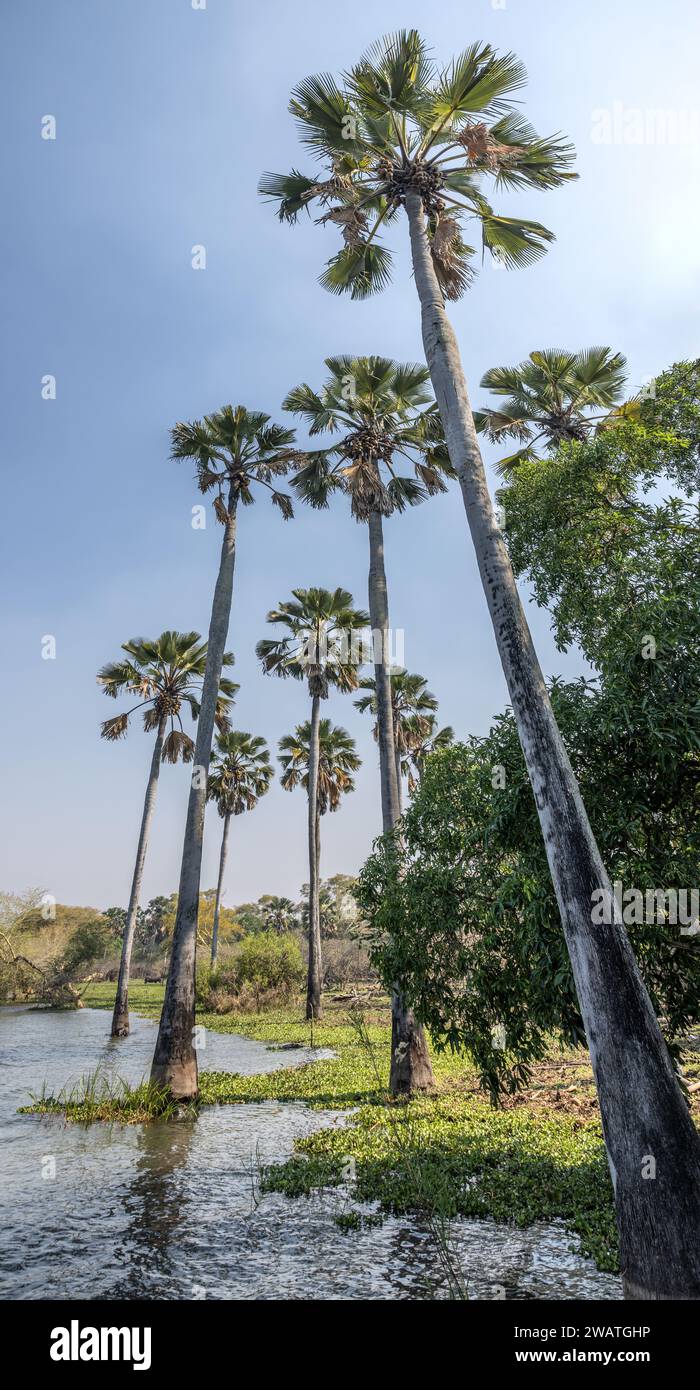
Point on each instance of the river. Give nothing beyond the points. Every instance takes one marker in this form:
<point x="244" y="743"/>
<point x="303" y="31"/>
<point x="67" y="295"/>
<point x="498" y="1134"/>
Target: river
<point x="171" y="1210"/>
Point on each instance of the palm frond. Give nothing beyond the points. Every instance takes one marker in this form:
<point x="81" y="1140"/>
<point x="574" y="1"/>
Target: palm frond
<point x="114" y="728"/>
<point x="292" y="192"/>
<point x="358" y="270"/>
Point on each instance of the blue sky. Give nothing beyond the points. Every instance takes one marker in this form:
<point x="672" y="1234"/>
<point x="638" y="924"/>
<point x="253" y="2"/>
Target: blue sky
<point x="165" y="117"/>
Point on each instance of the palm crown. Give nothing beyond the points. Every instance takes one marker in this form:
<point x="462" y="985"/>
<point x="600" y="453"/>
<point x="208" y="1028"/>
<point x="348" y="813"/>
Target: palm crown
<point x="166" y="671"/>
<point x="422" y="739"/>
<point x="378" y="405"/>
<point x="240" y="772"/>
<point x="322" y="626"/>
<point x="233" y="449"/>
<point x="549" y="397"/>
<point x="337" y="762"/>
<point x="412" y="704"/>
<point x="399" y="124"/>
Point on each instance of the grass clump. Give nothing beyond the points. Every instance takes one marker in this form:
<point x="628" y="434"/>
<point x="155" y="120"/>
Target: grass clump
<point x="98" y="1096"/>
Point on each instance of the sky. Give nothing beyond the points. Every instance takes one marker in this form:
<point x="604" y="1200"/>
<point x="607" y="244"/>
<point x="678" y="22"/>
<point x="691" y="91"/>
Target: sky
<point x="166" y="113"/>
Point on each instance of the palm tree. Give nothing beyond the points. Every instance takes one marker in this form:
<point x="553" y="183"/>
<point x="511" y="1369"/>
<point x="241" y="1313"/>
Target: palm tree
<point x="401" y="134"/>
<point x="549" y="398"/>
<point x="379" y="408"/>
<point x="322" y="628"/>
<point x="412" y="707"/>
<point x="279" y="914"/>
<point x="232" y="450"/>
<point x="240" y="773"/>
<point x="336" y="760"/>
<point x="423" y="738"/>
<point x="167" y="672"/>
<point x="385" y="415"/>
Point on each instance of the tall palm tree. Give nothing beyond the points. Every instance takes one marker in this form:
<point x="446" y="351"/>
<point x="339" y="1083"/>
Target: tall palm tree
<point x="412" y="708"/>
<point x="167" y="672"/>
<point x="240" y="773"/>
<point x="385" y="416"/>
<point x="337" y="761"/>
<point x="322" y="629"/>
<point x="423" y="738"/>
<point x="550" y="397"/>
<point x="397" y="135"/>
<point x="233" y="451"/>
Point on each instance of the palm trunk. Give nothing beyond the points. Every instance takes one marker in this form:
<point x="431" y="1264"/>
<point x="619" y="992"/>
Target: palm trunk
<point x="379" y="618"/>
<point x="175" y="1059"/>
<point x="120" y="1017"/>
<point x="313" y="984"/>
<point x="643" y="1110"/>
<point x="410" y="1061"/>
<point x="219" y="886"/>
<point x="399" y="797"/>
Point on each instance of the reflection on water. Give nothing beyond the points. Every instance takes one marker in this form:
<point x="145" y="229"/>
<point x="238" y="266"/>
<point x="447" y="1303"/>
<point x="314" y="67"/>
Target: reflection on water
<point x="170" y="1210"/>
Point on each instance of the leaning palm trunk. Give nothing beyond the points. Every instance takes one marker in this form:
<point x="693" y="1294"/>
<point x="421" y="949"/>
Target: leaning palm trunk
<point x="313" y="984"/>
<point x="219" y="886"/>
<point x="175" y="1060"/>
<point x="120" y="1017"/>
<point x="410" y="1060"/>
<point x="652" y="1145"/>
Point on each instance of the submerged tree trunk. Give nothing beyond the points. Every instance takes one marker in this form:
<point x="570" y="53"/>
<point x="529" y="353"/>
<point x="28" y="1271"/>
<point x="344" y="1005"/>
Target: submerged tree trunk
<point x="313" y="983"/>
<point x="219" y="886"/>
<point x="652" y="1145"/>
<point x="175" y="1059"/>
<point x="410" y="1061"/>
<point x="120" y="1017"/>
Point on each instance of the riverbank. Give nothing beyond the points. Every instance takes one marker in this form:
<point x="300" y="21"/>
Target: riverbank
<point x="538" y="1158"/>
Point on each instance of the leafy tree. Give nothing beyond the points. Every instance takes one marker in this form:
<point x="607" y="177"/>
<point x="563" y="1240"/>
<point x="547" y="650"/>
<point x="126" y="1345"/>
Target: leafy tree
<point x="250" y="917"/>
<point x="400" y="134"/>
<point x="89" y="942"/>
<point x="167" y="673"/>
<point x="462" y="909"/>
<point x="155" y="919"/>
<point x="321" y="631"/>
<point x="234" y="451"/>
<point x="14" y="907"/>
<point x="671" y="404"/>
<point x="240" y="774"/>
<point x="607" y="559"/>
<point x="550" y="398"/>
<point x="229" y="928"/>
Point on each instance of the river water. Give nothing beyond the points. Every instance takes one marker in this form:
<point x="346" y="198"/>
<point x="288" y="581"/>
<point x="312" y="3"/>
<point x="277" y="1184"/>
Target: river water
<point x="171" y="1210"/>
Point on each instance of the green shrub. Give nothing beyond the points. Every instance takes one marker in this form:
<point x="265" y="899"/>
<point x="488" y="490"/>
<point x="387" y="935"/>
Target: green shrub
<point x="204" y="980"/>
<point x="269" y="962"/>
<point x="265" y="969"/>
